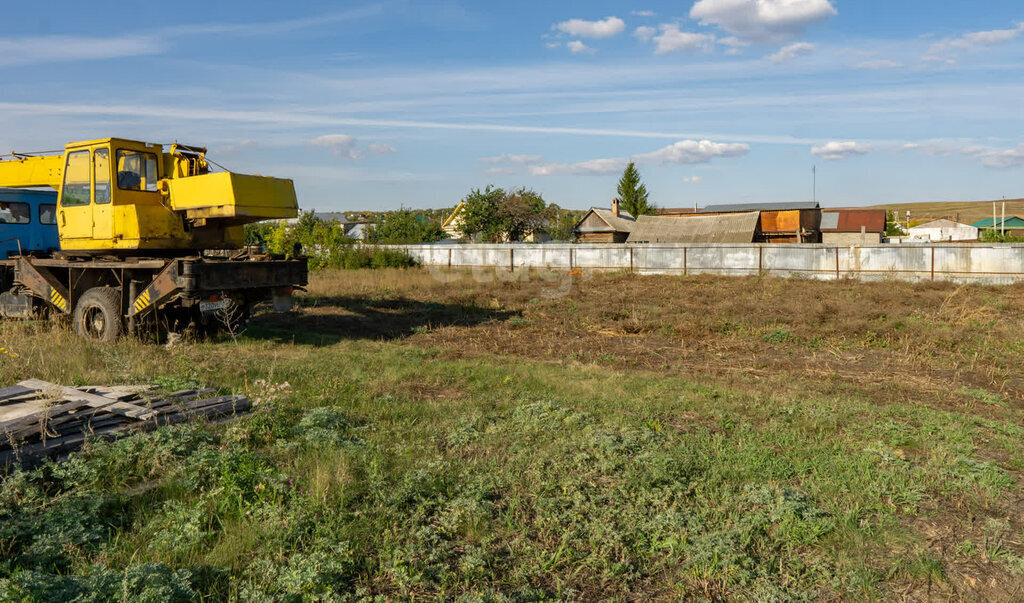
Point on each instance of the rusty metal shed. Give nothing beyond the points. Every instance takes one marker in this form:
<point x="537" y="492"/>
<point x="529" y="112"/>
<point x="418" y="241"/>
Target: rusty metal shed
<point x="724" y="228"/>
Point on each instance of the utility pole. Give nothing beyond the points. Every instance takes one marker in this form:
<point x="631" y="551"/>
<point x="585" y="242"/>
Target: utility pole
<point x="814" y="180"/>
<point x="1002" y="225"/>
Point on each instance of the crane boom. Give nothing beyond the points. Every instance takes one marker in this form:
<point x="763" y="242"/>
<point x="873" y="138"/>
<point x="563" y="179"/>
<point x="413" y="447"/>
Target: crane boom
<point x="22" y="172"/>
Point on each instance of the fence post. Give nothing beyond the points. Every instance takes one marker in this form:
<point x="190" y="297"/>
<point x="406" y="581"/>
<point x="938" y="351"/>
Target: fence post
<point x="684" y="261"/>
<point x="511" y="259"/>
<point x="449" y="257"/>
<point x="933" y="262"/>
<point x="631" y="259"/>
<point x="837" y="262"/>
<point x="760" y="260"/>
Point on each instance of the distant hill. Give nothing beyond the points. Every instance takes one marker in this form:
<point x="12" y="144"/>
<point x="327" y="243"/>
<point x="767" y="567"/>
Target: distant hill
<point x="967" y="212"/>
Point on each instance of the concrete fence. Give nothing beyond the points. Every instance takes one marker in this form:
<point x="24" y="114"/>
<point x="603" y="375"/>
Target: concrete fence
<point x="990" y="264"/>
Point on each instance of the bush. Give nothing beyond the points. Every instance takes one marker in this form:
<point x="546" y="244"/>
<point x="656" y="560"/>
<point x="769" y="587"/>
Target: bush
<point x="403" y="227"/>
<point x="327" y="247"/>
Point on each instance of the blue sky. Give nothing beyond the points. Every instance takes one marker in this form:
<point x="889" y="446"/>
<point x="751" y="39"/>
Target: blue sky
<point x="376" y="105"/>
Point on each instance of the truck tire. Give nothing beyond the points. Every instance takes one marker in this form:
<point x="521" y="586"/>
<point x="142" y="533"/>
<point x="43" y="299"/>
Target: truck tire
<point x="97" y="315"/>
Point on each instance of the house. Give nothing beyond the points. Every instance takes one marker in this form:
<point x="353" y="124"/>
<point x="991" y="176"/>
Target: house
<point x="452" y="226"/>
<point x="944" y="230"/>
<point x="1014" y="225"/>
<point x="796" y="222"/>
<point x="852" y="226"/>
<point x="359" y="231"/>
<point x="601" y="225"/>
<point x="696" y="228"/>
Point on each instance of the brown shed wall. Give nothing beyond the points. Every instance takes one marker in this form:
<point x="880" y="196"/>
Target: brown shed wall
<point x="604" y="237"/>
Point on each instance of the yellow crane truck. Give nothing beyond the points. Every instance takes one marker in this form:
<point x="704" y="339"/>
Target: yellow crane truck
<point x="148" y="236"/>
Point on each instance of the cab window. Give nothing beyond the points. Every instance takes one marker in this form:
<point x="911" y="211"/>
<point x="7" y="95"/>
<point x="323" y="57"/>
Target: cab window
<point x="77" y="183"/>
<point x="48" y="214"/>
<point x="15" y="213"/>
<point x="101" y="188"/>
<point x="136" y="171"/>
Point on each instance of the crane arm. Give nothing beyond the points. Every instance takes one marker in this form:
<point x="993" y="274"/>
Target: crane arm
<point x="19" y="172"/>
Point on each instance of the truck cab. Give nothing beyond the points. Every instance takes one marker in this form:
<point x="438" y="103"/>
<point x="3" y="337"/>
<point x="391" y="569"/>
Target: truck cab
<point x="28" y="222"/>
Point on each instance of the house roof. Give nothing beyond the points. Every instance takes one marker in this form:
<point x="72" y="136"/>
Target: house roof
<point x="744" y="207"/>
<point x="943" y="223"/>
<point x="1011" y="222"/>
<point x="851" y="220"/>
<point x="624" y="222"/>
<point x="455" y="212"/>
<point x="732" y="228"/>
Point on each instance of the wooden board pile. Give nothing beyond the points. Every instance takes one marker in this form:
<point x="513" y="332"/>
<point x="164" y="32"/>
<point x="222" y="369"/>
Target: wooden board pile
<point x="41" y="420"/>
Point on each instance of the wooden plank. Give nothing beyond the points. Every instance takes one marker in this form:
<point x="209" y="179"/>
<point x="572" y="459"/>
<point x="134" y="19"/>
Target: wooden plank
<point x="93" y="400"/>
<point x="38" y="412"/>
<point x="14" y="391"/>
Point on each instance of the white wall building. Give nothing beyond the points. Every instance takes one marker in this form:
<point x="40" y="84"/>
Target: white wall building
<point x="938" y="231"/>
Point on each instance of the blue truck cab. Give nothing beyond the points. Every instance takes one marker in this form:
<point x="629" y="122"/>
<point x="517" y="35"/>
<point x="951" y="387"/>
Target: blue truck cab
<point x="28" y="221"/>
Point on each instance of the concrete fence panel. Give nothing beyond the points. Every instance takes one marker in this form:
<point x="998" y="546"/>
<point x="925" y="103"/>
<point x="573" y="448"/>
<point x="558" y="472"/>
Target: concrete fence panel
<point x="994" y="263"/>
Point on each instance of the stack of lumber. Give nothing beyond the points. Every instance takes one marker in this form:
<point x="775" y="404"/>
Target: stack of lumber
<point x="41" y="420"/>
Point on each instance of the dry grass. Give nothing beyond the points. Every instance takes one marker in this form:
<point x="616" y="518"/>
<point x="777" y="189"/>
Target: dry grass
<point x="894" y="341"/>
<point x="968" y="212"/>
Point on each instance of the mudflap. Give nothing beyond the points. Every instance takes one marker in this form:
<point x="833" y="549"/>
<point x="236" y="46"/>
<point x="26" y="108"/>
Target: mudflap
<point x="16" y="305"/>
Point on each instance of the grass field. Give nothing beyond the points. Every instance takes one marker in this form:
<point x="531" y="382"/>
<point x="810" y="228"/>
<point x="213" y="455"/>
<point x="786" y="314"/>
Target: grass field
<point x="425" y="436"/>
<point x="967" y="212"/>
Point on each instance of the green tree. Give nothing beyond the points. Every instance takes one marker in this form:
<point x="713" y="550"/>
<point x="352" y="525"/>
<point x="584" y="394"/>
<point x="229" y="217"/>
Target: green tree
<point x="892" y="225"/>
<point x="522" y="212"/>
<point x="481" y="219"/>
<point x="494" y="215"/>
<point x="633" y="193"/>
<point x="406" y="227"/>
<point x="563" y="224"/>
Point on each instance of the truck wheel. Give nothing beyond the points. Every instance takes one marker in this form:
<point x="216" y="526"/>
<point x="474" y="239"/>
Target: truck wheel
<point x="98" y="314"/>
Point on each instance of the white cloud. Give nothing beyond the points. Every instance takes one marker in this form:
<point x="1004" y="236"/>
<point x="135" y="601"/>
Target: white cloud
<point x="988" y="156"/>
<point x="1003" y="159"/>
<point x="502" y="171"/>
<point x="837" y="151"/>
<point x="52" y="49"/>
<point x="970" y="41"/>
<point x="790" y="52"/>
<point x="515" y="159"/>
<point x="592" y="167"/>
<point x="605" y="28"/>
<point x="692" y="180"/>
<point x="672" y="39"/>
<point x="577" y="47"/>
<point x="553" y="45"/>
<point x="694" y="151"/>
<point x="880" y="64"/>
<point x="643" y="13"/>
<point x="644" y="33"/>
<point x="762" y="21"/>
<point x="342" y="146"/>
<point x="686" y="152"/>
